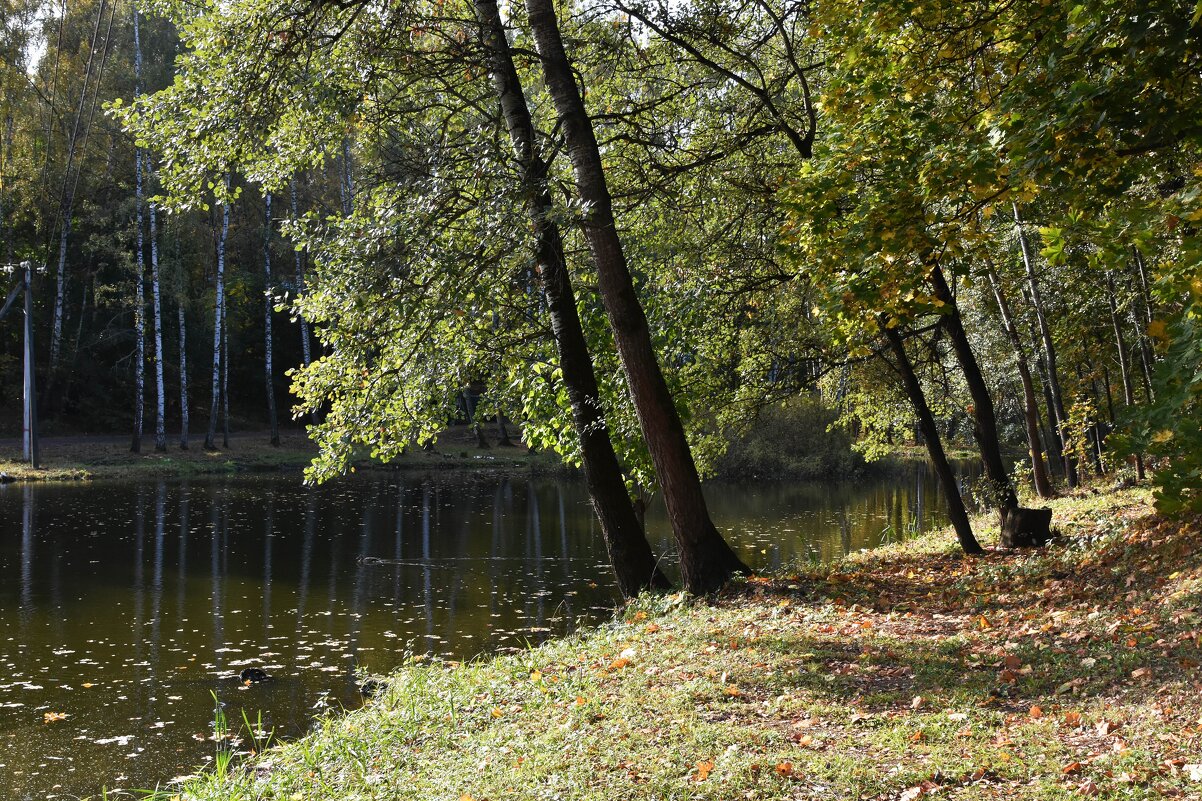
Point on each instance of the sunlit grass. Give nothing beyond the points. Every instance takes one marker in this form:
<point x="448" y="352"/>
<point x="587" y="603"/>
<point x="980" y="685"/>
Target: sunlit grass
<point x="891" y="674"/>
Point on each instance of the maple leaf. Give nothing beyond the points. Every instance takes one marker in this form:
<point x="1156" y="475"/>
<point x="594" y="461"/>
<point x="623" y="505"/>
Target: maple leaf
<point x="703" y="770"/>
<point x="53" y="717"/>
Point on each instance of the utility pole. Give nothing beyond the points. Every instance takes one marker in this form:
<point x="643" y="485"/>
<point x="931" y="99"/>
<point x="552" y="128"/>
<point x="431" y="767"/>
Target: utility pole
<point x="29" y="434"/>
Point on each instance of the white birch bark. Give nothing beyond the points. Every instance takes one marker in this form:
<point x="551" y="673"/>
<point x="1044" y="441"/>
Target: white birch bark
<point x="218" y="326"/>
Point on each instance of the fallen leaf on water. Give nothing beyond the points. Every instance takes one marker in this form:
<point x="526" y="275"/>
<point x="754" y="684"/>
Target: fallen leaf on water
<point x="87" y="684"/>
<point x="52" y="717"/>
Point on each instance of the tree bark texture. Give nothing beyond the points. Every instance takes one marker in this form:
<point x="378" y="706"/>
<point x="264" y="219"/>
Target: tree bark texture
<point x="630" y="554"/>
<point x="983" y="411"/>
<point x="930" y="435"/>
<point x="1043" y="485"/>
<point x="218" y="328"/>
<point x="706" y="560"/>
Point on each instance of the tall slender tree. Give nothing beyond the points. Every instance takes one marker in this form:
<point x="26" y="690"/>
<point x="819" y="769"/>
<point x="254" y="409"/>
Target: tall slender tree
<point x="630" y="554"/>
<point x="218" y="324"/>
<point x="706" y="560"/>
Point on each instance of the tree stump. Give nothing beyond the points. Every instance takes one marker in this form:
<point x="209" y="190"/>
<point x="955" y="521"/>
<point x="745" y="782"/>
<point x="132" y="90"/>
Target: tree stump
<point x="1026" y="528"/>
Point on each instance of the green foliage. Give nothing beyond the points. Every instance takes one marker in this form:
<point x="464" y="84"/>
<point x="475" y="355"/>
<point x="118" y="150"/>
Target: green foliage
<point x="1171" y="428"/>
<point x="795" y="440"/>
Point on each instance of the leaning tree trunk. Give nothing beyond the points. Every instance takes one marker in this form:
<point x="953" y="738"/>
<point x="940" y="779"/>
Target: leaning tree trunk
<point x="218" y="326"/>
<point x="983" y="411"/>
<point x="1049" y="354"/>
<point x="630" y="554"/>
<point x="1043" y="485"/>
<point x="1124" y="363"/>
<point x="930" y="434"/>
<point x="267" y="367"/>
<point x="706" y="560"/>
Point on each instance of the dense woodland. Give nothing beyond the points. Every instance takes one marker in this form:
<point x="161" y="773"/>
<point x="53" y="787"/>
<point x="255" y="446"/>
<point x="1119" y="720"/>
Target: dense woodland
<point x="637" y="225"/>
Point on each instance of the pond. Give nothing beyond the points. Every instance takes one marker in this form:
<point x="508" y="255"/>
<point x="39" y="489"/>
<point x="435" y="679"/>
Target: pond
<point x="126" y="607"/>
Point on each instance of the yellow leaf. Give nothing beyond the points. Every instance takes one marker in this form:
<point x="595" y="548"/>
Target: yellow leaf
<point x="703" y="768"/>
<point x="52" y="717"/>
<point x="496" y="712"/>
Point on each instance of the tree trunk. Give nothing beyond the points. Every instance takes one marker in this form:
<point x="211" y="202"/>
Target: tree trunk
<point x="1043" y="485"/>
<point x="706" y="560"/>
<point x="984" y="415"/>
<point x="633" y="561"/>
<point x="503" y="440"/>
<point x="1049" y="353"/>
<point x="160" y="425"/>
<point x="183" y="355"/>
<point x="267" y="367"/>
<point x="160" y="419"/>
<point x="218" y="327"/>
<point x="67" y="200"/>
<point x="139" y="301"/>
<point x="930" y="434"/>
<point x="225" y="372"/>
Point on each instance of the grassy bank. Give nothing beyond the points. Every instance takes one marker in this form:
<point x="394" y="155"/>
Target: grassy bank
<point x="895" y="674"/>
<point x="105" y="457"/>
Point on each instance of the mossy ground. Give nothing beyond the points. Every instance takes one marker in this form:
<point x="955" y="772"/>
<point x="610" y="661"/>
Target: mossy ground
<point x="896" y="674"/>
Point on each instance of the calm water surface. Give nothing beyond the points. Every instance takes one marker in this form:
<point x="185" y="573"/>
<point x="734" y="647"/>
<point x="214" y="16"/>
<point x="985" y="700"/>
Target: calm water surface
<point x="124" y="606"/>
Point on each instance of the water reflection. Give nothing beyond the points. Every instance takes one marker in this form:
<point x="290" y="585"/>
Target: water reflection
<point x="124" y="606"/>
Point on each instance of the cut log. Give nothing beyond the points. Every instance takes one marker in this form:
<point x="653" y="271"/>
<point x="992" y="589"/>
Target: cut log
<point x="1026" y="528"/>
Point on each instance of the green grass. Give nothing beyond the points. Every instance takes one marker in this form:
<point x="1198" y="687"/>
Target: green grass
<point x="1063" y="673"/>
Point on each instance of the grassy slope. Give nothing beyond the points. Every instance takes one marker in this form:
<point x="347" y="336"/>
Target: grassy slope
<point x="889" y="675"/>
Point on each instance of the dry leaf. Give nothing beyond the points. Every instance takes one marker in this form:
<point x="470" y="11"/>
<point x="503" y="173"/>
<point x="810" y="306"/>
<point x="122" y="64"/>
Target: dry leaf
<point x="703" y="769"/>
<point x="784" y="769"/>
<point x="53" y="717"/>
<point x="1035" y="713"/>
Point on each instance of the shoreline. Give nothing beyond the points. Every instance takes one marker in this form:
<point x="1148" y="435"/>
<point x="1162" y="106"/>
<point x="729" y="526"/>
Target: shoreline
<point x="890" y="674"/>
